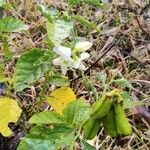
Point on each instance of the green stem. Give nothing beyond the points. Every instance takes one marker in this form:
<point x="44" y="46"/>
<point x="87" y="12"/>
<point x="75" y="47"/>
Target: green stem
<point x="76" y="137"/>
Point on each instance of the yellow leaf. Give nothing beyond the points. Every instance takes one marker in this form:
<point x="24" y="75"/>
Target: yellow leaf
<point x="9" y="112"/>
<point x="60" y="98"/>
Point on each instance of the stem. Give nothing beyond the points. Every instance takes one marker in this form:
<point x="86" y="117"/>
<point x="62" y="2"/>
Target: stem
<point x="43" y="91"/>
<point x="76" y="137"/>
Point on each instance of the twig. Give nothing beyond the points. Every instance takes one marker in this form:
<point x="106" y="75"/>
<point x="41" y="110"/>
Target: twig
<point x="134" y="58"/>
<point x="146" y="33"/>
<point x="145" y="8"/>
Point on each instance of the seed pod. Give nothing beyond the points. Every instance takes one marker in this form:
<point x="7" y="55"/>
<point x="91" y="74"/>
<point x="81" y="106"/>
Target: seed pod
<point x="103" y="109"/>
<point x="122" y="123"/>
<point x="110" y="123"/>
<point x="91" y="128"/>
<point x="97" y="105"/>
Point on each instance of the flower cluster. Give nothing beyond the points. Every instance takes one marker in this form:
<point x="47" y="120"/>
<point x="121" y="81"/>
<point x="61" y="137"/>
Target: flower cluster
<point x="69" y="59"/>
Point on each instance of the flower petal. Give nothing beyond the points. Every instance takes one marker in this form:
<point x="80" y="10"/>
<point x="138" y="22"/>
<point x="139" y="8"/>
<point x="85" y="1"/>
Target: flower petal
<point x="84" y="55"/>
<point x="76" y="63"/>
<point x="64" y="52"/>
<point x="82" y="66"/>
<point x="83" y="46"/>
<point x="57" y="61"/>
<point x="64" y="69"/>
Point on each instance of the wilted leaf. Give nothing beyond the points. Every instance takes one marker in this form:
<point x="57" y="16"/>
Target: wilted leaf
<point x="9" y="112"/>
<point x="102" y="76"/>
<point x="85" y="22"/>
<point x="128" y="101"/>
<point x="58" y="31"/>
<point x="59" y="98"/>
<point x="92" y="2"/>
<point x="48" y="12"/>
<point x="9" y="24"/>
<point x="27" y="70"/>
<point x="42" y="137"/>
<point x="46" y="117"/>
<point x="77" y="112"/>
<point x="123" y="82"/>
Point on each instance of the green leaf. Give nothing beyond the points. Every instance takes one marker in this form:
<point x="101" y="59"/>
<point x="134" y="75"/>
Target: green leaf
<point x="102" y="76"/>
<point x="9" y="24"/>
<point x="42" y="137"/>
<point x="90" y="87"/>
<point x="1" y="3"/>
<point x="45" y="59"/>
<point x="77" y="112"/>
<point x="48" y="12"/>
<point x="85" y="22"/>
<point x="92" y="2"/>
<point x="34" y="144"/>
<point x="59" y="80"/>
<point x="87" y="146"/>
<point x="123" y="82"/>
<point x="47" y="117"/>
<point x="1" y="71"/>
<point x="26" y="72"/>
<point x="8" y="54"/>
<point x="58" y="31"/>
<point x="128" y="101"/>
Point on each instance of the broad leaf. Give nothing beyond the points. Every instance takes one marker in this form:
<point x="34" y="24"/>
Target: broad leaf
<point x="47" y="117"/>
<point x="9" y="112"/>
<point x="41" y="137"/>
<point x="77" y="112"/>
<point x="35" y="144"/>
<point x="59" y="98"/>
<point x="27" y="70"/>
<point x="59" y="80"/>
<point x="47" y="58"/>
<point x="9" y="24"/>
<point x="58" y="31"/>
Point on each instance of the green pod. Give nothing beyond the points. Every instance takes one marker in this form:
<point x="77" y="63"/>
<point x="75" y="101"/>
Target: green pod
<point x="110" y="123"/>
<point x="103" y="109"/>
<point x="122" y="123"/>
<point x="97" y="105"/>
<point x="91" y="128"/>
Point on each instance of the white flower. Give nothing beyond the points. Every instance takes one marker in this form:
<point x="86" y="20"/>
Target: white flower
<point x="84" y="56"/>
<point x="83" y="46"/>
<point x="78" y="63"/>
<point x="64" y="52"/>
<point x="65" y="59"/>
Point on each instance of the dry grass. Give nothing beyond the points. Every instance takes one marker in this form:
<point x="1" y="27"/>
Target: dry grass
<point x="114" y="21"/>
